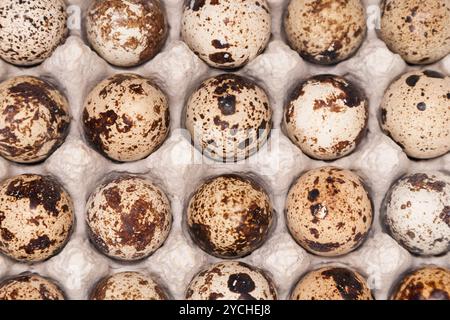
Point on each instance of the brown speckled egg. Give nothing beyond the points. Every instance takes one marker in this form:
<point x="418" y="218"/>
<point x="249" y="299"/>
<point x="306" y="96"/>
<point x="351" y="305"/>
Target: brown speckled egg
<point x="229" y="216"/>
<point x="229" y="117"/>
<point x="34" y="119"/>
<point x="30" y="286"/>
<point x="417" y="30"/>
<point x="417" y="212"/>
<point x="227" y="33"/>
<point x="326" y="117"/>
<point x="332" y="283"/>
<point x="128" y="217"/>
<point x="427" y="283"/>
<point x="126" y="33"/>
<point x="36" y="217"/>
<point x="31" y="30"/>
<point x="231" y="280"/>
<point x="128" y="286"/>
<point x="126" y="117"/>
<point x="415" y="113"/>
<point x="328" y="211"/>
<point x="326" y="31"/>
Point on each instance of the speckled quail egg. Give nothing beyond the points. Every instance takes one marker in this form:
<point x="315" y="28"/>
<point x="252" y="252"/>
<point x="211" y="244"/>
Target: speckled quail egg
<point x="426" y="283"/>
<point x="326" y="117"/>
<point x="417" y="30"/>
<point x="415" y="113"/>
<point x="128" y="217"/>
<point x="417" y="212"/>
<point x="34" y="119"/>
<point x="326" y="31"/>
<point x="229" y="117"/>
<point x="30" y="286"/>
<point x="226" y="34"/>
<point x="126" y="117"/>
<point x="332" y="283"/>
<point x="126" y="33"/>
<point x="231" y="280"/>
<point x="128" y="286"/>
<point x="229" y="216"/>
<point x="36" y="217"/>
<point x="328" y="211"/>
<point x="31" y="30"/>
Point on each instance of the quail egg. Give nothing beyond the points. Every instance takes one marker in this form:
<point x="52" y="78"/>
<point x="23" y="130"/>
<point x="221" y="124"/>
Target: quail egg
<point x="128" y="286"/>
<point x="229" y="216"/>
<point x="326" y="31"/>
<point x="415" y="113"/>
<point x="36" y="217"/>
<point x="417" y="212"/>
<point x="34" y="119"/>
<point x="426" y="283"/>
<point x="417" y="30"/>
<point x="31" y="30"/>
<point x="128" y="217"/>
<point x="229" y="117"/>
<point x="326" y="117"/>
<point x="30" y="286"/>
<point x="231" y="280"/>
<point x="126" y="117"/>
<point x="226" y="34"/>
<point x="126" y="33"/>
<point x="332" y="283"/>
<point x="328" y="211"/>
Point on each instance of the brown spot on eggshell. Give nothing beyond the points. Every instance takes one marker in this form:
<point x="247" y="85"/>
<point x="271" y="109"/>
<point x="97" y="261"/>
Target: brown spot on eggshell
<point x="30" y="286"/>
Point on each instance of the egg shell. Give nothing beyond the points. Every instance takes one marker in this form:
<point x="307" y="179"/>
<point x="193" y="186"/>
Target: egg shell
<point x="417" y="212"/>
<point x="30" y="286"/>
<point x="326" y="31"/>
<point x="31" y="30"/>
<point x="419" y="31"/>
<point x="128" y="217"/>
<point x="228" y="117"/>
<point x="36" y="217"/>
<point x="332" y="283"/>
<point x="326" y="117"/>
<point x="226" y="34"/>
<point x="231" y="280"/>
<point x="126" y="117"/>
<point x="426" y="283"/>
<point x="415" y="113"/>
<point x="126" y="33"/>
<point x="328" y="211"/>
<point x="34" y="119"/>
<point x="128" y="286"/>
<point x="229" y="216"/>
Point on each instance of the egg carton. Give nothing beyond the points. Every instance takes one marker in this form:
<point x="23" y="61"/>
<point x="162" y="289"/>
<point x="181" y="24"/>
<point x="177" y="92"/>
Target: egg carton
<point x="179" y="168"/>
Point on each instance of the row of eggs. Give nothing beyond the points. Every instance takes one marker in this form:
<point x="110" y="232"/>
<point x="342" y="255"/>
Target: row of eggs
<point x="225" y="34"/>
<point x="126" y="117"/>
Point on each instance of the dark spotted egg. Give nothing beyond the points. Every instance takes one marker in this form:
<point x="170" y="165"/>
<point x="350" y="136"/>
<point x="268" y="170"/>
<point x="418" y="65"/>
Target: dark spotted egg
<point x="426" y="283"/>
<point x="126" y="33"/>
<point x="228" y="117"/>
<point x="326" y="116"/>
<point x="34" y="119"/>
<point x="415" y="113"/>
<point x="231" y="280"/>
<point x="126" y="117"/>
<point x="328" y="211"/>
<point x="229" y="216"/>
<point x="128" y="217"/>
<point x="30" y="286"/>
<point x="226" y="33"/>
<point x="325" y="31"/>
<point x="332" y="283"/>
<point x="36" y="217"/>
<point x="31" y="30"/>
